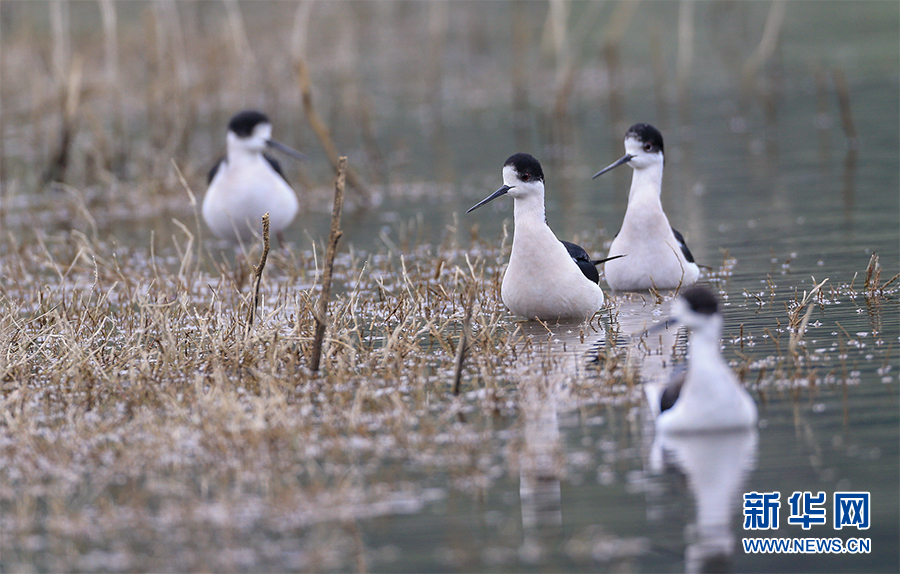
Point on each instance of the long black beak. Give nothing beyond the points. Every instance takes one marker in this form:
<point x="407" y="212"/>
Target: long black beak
<point x="491" y="197"/>
<point x="285" y="149"/>
<point x="624" y="159"/>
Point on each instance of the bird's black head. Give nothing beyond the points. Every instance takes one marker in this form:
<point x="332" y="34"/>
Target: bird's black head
<point x="700" y="300"/>
<point x="647" y="135"/>
<point x="242" y="124"/>
<point x="527" y="167"/>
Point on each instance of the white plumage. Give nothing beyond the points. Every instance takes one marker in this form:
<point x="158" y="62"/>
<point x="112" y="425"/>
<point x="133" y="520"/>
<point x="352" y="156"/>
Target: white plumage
<point x="246" y="183"/>
<point x="542" y="280"/>
<point x="710" y="398"/>
<point x="657" y="256"/>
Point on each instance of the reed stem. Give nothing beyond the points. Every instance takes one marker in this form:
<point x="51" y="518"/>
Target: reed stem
<point x="321" y="130"/>
<point x="463" y="346"/>
<point x="333" y="237"/>
<point x="258" y="270"/>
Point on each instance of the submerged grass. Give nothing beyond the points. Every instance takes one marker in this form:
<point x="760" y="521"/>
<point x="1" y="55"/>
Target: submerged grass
<point x="144" y="425"/>
<point x="140" y="414"/>
<point x="796" y="342"/>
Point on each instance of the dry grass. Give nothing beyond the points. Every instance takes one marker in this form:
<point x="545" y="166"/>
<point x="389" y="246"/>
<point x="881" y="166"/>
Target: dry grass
<point x="797" y="343"/>
<point x="136" y="400"/>
<point x="140" y="414"/>
<point x="144" y="425"/>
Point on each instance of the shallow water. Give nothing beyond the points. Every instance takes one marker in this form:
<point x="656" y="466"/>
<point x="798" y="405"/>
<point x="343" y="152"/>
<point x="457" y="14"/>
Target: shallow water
<point x="605" y="497"/>
<point x="793" y="205"/>
<point x="570" y="479"/>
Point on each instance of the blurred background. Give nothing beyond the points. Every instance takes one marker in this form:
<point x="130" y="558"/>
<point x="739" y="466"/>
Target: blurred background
<point x="770" y="100"/>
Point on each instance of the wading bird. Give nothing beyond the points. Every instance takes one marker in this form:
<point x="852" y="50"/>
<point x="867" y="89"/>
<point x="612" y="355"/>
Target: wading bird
<point x="547" y="279"/>
<point x="709" y="397"/>
<point x="246" y="183"/>
<point x="658" y="257"/>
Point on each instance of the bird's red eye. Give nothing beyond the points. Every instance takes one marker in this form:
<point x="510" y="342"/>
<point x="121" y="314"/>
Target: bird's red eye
<point x="648" y="146"/>
<point x="525" y="177"/>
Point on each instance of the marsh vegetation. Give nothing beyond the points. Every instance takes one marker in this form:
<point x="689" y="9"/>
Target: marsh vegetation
<point x="146" y="424"/>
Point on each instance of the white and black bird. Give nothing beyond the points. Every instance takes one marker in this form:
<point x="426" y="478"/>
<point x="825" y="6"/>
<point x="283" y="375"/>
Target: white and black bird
<point x="658" y="257"/>
<point x="246" y="183"/>
<point x="709" y="396"/>
<point x="547" y="279"/>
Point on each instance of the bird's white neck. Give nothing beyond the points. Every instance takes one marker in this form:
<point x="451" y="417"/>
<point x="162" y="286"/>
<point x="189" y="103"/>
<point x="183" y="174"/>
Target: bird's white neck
<point x="240" y="151"/>
<point x="644" y="212"/>
<point x="529" y="212"/>
<point x="705" y="357"/>
<point x="241" y="155"/>
<point x="533" y="240"/>
<point x="646" y="185"/>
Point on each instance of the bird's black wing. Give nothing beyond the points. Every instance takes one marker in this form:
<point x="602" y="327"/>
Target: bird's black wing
<point x="277" y="166"/>
<point x="583" y="260"/>
<point x="671" y="393"/>
<point x="215" y="169"/>
<point x="684" y="248"/>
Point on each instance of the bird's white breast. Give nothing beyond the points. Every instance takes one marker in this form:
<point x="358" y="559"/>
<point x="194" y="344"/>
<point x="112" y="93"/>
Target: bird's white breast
<point x="653" y="256"/>
<point x="242" y="191"/>
<point x="712" y="398"/>
<point x="542" y="280"/>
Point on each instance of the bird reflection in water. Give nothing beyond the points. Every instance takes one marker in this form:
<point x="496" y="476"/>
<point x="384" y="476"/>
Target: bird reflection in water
<point x="555" y="355"/>
<point x="716" y="467"/>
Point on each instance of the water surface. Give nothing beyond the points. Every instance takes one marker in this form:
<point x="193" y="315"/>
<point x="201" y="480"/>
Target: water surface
<point x="566" y="476"/>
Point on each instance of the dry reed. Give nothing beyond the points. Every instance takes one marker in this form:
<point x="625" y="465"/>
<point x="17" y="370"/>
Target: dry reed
<point x="131" y="373"/>
<point x="334" y="236"/>
<point x="258" y="271"/>
<point x="144" y="425"/>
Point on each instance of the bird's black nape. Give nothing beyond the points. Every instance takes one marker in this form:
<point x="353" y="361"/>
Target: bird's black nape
<point x="243" y="123"/>
<point x="645" y="133"/>
<point x="701" y="300"/>
<point x="527" y="167"/>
